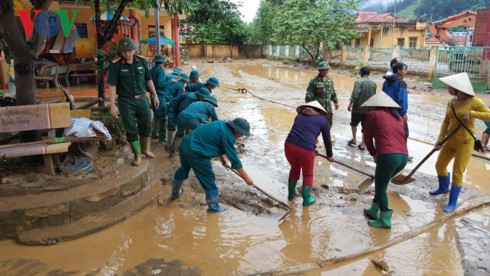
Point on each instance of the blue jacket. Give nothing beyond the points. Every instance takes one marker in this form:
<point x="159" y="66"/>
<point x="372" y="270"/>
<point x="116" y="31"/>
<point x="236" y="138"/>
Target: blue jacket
<point x="181" y="102"/>
<point x="158" y="77"/>
<point x="396" y="88"/>
<point x="200" y="110"/>
<point x="212" y="140"/>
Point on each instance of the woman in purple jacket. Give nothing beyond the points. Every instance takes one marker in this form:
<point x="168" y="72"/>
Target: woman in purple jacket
<point x="385" y="137"/>
<point x="300" y="147"/>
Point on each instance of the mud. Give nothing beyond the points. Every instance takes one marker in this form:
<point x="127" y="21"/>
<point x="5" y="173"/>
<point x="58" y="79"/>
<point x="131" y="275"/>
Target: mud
<point x="248" y="238"/>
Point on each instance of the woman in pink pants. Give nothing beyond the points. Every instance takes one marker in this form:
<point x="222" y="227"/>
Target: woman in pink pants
<point x="300" y="147"/>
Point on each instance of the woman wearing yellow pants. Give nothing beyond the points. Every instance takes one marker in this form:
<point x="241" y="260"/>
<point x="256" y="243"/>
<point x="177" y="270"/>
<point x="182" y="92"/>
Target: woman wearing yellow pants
<point x="467" y="107"/>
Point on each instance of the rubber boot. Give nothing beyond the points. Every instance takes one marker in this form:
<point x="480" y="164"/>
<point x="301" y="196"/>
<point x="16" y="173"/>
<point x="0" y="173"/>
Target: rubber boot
<point x="292" y="189"/>
<point x="154" y="128"/>
<point x="373" y="211"/>
<point x="453" y="198"/>
<point x="443" y="185"/>
<point x="170" y="140"/>
<point x="384" y="220"/>
<point x="174" y="147"/>
<point x="136" y="146"/>
<point x="308" y="199"/>
<point x="212" y="201"/>
<point x="176" y="189"/>
<point x="162" y="129"/>
<point x="145" y="147"/>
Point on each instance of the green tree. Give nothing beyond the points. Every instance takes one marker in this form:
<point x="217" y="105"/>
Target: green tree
<point x="25" y="51"/>
<point x="261" y="27"/>
<point x="309" y="23"/>
<point x="217" y="22"/>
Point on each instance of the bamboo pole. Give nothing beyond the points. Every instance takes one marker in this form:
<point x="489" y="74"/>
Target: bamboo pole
<point x="302" y="268"/>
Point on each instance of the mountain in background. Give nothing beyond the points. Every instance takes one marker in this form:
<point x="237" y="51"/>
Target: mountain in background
<point x="431" y="10"/>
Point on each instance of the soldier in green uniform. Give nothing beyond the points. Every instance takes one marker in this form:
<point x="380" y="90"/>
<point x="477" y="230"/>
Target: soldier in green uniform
<point x="321" y="89"/>
<point x="129" y="78"/>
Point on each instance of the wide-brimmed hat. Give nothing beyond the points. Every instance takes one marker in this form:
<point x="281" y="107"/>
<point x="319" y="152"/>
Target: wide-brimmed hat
<point x="177" y="70"/>
<point x="315" y="104"/>
<point x="241" y="125"/>
<point x="184" y="77"/>
<point x="213" y="81"/>
<point x="380" y="99"/>
<point x="203" y="92"/>
<point x="160" y="59"/>
<point x="126" y="44"/>
<point x="323" y="66"/>
<point x="460" y="82"/>
<point x="212" y="100"/>
<point x="194" y="74"/>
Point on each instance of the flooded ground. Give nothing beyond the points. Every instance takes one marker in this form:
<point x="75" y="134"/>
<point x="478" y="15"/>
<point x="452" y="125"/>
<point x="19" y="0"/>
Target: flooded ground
<point x="326" y="238"/>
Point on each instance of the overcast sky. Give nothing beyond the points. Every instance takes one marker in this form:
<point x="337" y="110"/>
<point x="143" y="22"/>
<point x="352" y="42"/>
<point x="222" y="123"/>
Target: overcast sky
<point x="248" y="9"/>
<point x="367" y="3"/>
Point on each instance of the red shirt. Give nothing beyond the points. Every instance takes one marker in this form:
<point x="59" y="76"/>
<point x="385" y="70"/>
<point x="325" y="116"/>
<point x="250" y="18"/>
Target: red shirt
<point x="387" y="132"/>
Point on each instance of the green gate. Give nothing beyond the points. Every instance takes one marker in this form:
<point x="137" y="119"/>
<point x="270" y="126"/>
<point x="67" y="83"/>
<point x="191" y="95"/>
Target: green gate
<point x="472" y="60"/>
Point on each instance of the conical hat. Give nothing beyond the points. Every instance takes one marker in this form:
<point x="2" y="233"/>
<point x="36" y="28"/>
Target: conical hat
<point x="460" y="82"/>
<point x="314" y="104"/>
<point x="380" y="99"/>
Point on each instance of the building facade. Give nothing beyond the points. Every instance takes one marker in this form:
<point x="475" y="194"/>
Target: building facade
<point x="385" y="31"/>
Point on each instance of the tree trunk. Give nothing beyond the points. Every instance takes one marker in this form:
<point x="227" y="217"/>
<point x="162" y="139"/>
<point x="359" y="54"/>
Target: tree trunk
<point x="309" y="53"/>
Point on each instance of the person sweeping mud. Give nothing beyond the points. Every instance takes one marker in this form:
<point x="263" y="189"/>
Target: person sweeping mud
<point x="129" y="78"/>
<point x="206" y="142"/>
<point x="464" y="108"/>
<point x="300" y="147"/>
<point x="321" y="89"/>
<point x="386" y="141"/>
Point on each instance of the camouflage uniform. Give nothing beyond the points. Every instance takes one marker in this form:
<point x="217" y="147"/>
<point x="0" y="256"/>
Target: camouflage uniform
<point x="322" y="91"/>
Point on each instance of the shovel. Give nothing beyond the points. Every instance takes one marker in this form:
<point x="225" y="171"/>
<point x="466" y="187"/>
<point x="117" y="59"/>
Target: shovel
<point x="402" y="180"/>
<point x="365" y="184"/>
<point x="284" y="204"/>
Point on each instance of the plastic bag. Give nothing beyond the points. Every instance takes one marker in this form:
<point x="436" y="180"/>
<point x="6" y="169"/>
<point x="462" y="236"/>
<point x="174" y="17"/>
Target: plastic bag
<point x="101" y="127"/>
<point x="80" y="127"/>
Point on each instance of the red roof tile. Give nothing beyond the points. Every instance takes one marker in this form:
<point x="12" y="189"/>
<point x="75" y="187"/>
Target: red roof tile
<point x="373" y="17"/>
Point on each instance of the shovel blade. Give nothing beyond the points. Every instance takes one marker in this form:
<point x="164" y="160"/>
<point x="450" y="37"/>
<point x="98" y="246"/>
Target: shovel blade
<point x="365" y="184"/>
<point x="402" y="180"/>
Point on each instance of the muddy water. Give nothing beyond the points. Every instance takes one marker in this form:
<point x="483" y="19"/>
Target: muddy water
<point x="239" y="242"/>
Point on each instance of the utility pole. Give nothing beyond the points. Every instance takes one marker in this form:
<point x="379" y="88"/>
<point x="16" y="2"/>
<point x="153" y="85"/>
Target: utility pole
<point x="157" y="27"/>
<point x="394" y="25"/>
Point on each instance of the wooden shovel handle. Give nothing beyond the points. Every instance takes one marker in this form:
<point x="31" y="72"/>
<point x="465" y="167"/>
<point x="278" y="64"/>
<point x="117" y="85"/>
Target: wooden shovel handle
<point x="262" y="191"/>
<point x="451" y="133"/>
<point x="350" y="167"/>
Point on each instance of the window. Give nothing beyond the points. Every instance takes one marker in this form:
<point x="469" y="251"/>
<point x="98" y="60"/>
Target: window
<point x="412" y="42"/>
<point x="358" y="42"/>
<point x="371" y="42"/>
<point x="152" y="31"/>
<point x="401" y="42"/>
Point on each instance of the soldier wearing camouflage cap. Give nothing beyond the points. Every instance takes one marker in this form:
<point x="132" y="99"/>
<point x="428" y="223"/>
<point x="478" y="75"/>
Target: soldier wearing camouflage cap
<point x="129" y="78"/>
<point x="321" y="89"/>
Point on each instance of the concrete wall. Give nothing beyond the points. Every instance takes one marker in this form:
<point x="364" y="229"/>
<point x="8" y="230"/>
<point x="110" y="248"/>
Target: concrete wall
<point x="223" y="51"/>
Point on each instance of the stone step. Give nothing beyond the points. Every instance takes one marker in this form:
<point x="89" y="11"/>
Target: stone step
<point x="93" y="222"/>
<point x="22" y="213"/>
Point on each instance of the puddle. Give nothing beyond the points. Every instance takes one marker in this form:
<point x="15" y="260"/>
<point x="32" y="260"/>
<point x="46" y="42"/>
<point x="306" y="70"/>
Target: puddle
<point x="238" y="242"/>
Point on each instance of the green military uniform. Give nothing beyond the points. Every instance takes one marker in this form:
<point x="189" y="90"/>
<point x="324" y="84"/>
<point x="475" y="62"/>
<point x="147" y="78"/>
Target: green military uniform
<point x="134" y="107"/>
<point x="323" y="91"/>
<point x="364" y="88"/>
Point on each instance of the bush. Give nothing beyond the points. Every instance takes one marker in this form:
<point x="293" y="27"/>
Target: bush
<point x="359" y="65"/>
